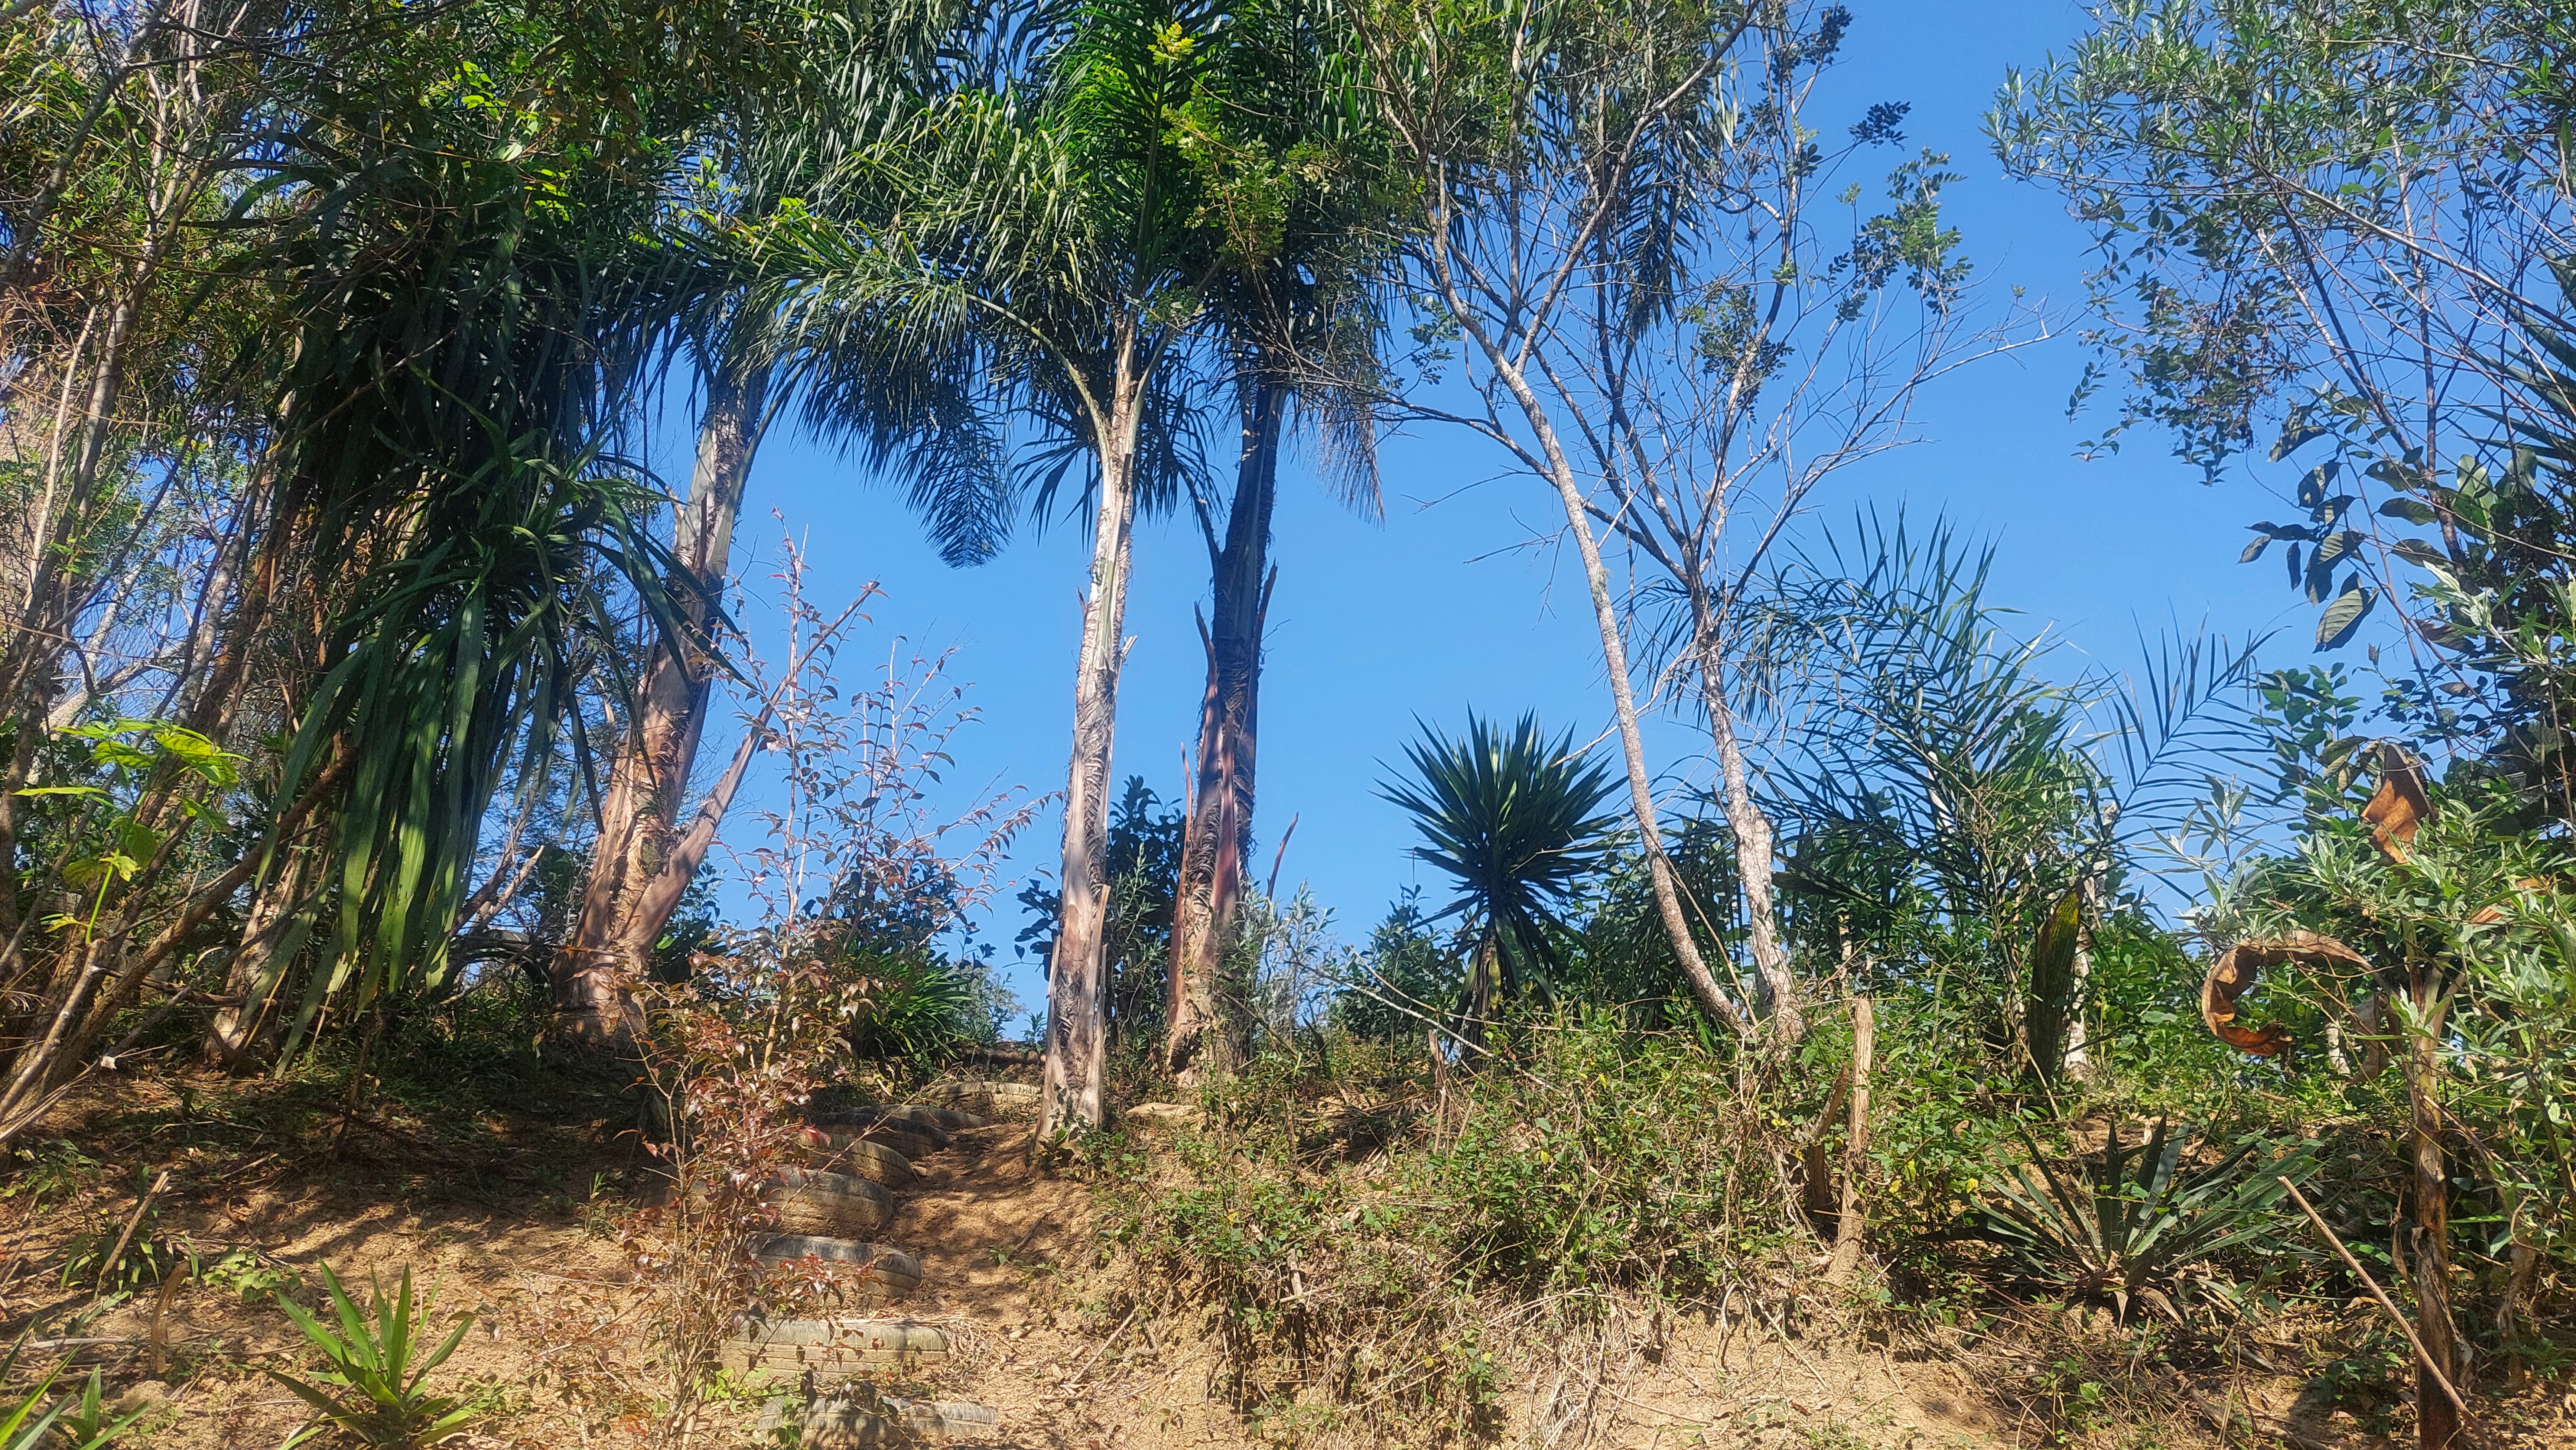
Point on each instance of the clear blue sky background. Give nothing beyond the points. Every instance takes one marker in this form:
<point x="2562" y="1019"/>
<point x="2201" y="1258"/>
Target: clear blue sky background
<point x="1433" y="610"/>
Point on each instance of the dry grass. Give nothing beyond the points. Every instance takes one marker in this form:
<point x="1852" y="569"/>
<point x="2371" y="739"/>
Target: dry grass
<point x="496" y="1208"/>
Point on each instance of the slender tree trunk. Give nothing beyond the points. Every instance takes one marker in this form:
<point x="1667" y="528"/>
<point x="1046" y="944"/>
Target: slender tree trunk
<point x="1750" y="825"/>
<point x="1559" y="472"/>
<point x="2078" y="1058"/>
<point x="32" y="658"/>
<point x="1484" y="993"/>
<point x="2429" y="1252"/>
<point x="1218" y="830"/>
<point x="1847" y="1223"/>
<point x="75" y="1013"/>
<point x="1632" y="747"/>
<point x="245" y="1036"/>
<point x="1076" y="1064"/>
<point x="640" y="817"/>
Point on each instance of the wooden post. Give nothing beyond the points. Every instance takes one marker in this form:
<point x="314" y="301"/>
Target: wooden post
<point x="1847" y="1225"/>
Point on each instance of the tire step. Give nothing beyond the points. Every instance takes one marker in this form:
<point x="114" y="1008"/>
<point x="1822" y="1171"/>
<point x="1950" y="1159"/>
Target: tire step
<point x="839" y="1205"/>
<point x="833" y="1422"/>
<point x="946" y="1419"/>
<point x="983" y="1096"/>
<point x="885" y="1121"/>
<point x="834" y="1348"/>
<point x="890" y="1269"/>
<point x="950" y="1118"/>
<point x="904" y="1138"/>
<point x="862" y="1157"/>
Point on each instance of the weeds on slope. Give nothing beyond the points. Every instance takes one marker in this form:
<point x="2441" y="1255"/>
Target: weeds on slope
<point x="1381" y="1245"/>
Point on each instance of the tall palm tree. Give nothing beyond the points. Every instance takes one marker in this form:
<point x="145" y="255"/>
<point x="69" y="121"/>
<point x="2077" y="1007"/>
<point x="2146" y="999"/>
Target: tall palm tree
<point x="1513" y="819"/>
<point x="1303" y="186"/>
<point x="838" y="88"/>
<point x="1038" y="226"/>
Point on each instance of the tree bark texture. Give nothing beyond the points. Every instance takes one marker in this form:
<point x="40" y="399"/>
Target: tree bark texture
<point x="1076" y="1094"/>
<point x="2428" y="1256"/>
<point x="640" y="817"/>
<point x="1847" y="1222"/>
<point x="1218" y="831"/>
<point x="245" y="1036"/>
<point x="1750" y="825"/>
<point x="1559" y="473"/>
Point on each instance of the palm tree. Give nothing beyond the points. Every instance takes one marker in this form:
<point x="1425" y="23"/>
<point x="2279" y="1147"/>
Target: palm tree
<point x="1514" y="820"/>
<point x="1038" y="226"/>
<point x="1300" y="174"/>
<point x="838" y="88"/>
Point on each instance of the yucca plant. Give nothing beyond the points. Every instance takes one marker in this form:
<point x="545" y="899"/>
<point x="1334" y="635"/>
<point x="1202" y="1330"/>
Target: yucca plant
<point x="39" y="1422"/>
<point x="1512" y="818"/>
<point x="372" y="1394"/>
<point x="2126" y="1233"/>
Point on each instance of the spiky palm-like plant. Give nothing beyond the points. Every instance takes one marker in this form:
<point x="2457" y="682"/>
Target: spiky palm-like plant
<point x="1513" y="819"/>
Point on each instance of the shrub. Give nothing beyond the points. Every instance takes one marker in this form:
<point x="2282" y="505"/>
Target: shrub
<point x="2130" y="1230"/>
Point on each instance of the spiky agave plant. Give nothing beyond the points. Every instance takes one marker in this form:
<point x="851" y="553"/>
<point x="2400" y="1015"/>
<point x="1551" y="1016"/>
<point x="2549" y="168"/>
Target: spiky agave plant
<point x="1512" y="817"/>
<point x="2126" y="1233"/>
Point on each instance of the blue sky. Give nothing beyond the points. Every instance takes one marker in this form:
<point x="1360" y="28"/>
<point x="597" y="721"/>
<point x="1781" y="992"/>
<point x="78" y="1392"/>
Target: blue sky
<point x="1436" y="609"/>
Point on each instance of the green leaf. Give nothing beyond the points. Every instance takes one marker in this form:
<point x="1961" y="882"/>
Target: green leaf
<point x="2312" y="486"/>
<point x="2330" y="551"/>
<point x="2336" y="625"/>
<point x="2408" y="509"/>
<point x="2297" y="433"/>
<point x="2052" y="982"/>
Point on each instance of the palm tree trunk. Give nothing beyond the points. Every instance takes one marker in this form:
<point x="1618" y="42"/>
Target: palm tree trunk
<point x="1484" y="991"/>
<point x="1076" y="1064"/>
<point x="640" y="818"/>
<point x="246" y="1035"/>
<point x="1219" y="829"/>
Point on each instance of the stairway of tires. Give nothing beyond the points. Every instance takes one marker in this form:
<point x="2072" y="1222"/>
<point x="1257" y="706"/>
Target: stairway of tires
<point x="834" y="1213"/>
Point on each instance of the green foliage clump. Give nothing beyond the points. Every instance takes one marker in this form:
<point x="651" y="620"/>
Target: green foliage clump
<point x="1360" y="1241"/>
<point x="2129" y="1230"/>
<point x="38" y="1421"/>
<point x="1324" y="1293"/>
<point x="1605" y="1159"/>
<point x="371" y="1391"/>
